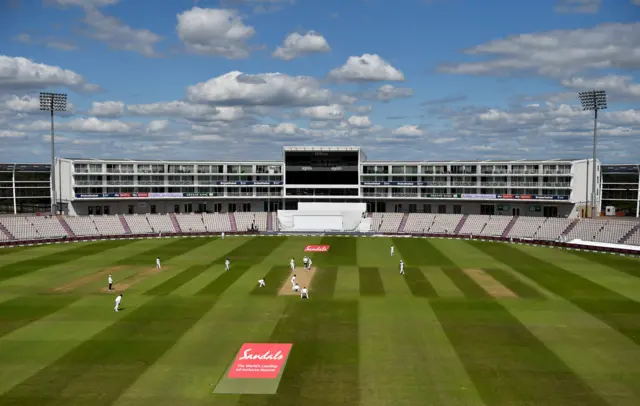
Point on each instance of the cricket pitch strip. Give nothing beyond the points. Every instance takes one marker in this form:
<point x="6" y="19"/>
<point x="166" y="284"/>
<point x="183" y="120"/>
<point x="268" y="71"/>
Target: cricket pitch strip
<point x="303" y="279"/>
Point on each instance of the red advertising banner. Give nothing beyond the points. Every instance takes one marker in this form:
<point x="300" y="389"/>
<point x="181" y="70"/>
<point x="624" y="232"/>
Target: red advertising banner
<point x="316" y="248"/>
<point x="259" y="361"/>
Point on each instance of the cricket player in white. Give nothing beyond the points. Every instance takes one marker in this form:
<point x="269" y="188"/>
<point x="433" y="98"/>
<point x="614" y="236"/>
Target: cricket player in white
<point x="296" y="287"/>
<point x="305" y="261"/>
<point x="223" y="235"/>
<point x="226" y="264"/>
<point x="401" y="267"/>
<point x="261" y="283"/>
<point x="118" y="300"/>
<point x="304" y="294"/>
<point x="293" y="281"/>
<point x="393" y="249"/>
<point x="158" y="263"/>
<point x="110" y="283"/>
<point x="309" y="264"/>
<point x="292" y="264"/>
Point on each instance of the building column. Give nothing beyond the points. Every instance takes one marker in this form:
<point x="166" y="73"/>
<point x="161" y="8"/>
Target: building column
<point x="13" y="188"/>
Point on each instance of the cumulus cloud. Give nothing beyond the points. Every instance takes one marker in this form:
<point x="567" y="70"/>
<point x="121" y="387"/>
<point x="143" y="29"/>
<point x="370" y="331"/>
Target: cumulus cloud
<point x="408" y="130"/>
<point x="209" y="31"/>
<point x="296" y="45"/>
<point x="156" y="126"/>
<point x="107" y="109"/>
<point x="268" y="89"/>
<point x="558" y="53"/>
<point x="280" y="129"/>
<point x="83" y="3"/>
<point x="25" y="74"/>
<point x="188" y="111"/>
<point x="366" y="68"/>
<point x="359" y="121"/>
<point x="578" y="6"/>
<point x="95" y="125"/>
<point x="330" y="112"/>
<point x="117" y="35"/>
<point x="55" y="43"/>
<point x="616" y="86"/>
<point x="386" y="93"/>
<point x="12" y="134"/>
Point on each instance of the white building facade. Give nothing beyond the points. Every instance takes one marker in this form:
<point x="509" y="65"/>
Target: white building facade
<point x="552" y="188"/>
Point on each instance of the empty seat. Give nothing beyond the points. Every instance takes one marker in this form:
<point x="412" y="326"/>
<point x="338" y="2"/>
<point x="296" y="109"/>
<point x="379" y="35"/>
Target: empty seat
<point x="139" y="224"/>
<point x="217" y="222"/>
<point x="160" y="223"/>
<point x="108" y="225"/>
<point x="82" y="226"/>
<point x="191" y="223"/>
<point x="445" y="223"/>
<point x="496" y="226"/>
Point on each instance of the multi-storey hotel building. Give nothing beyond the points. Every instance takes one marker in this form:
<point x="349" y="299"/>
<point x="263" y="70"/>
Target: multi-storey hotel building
<point x="553" y="188"/>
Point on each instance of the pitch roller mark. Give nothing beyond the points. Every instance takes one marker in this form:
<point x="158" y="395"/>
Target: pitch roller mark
<point x="610" y="307"/>
<point x="418" y="284"/>
<point x="21" y="311"/>
<point x="34" y="264"/>
<point x="370" y="282"/>
<point x="324" y="282"/>
<point x="100" y="369"/>
<point x="247" y="255"/>
<point x="514" y="284"/>
<point x="466" y="285"/>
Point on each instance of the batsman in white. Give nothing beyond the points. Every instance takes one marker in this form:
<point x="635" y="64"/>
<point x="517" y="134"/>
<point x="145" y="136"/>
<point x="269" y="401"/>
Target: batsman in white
<point x="305" y="261"/>
<point x="261" y="283"/>
<point x="401" y="267"/>
<point x="158" y="263"/>
<point x="110" y="281"/>
<point x="296" y="287"/>
<point x="293" y="281"/>
<point x="309" y="263"/>
<point x="118" y="300"/>
<point x="393" y="249"/>
<point x="304" y="293"/>
<point x="227" y="264"/>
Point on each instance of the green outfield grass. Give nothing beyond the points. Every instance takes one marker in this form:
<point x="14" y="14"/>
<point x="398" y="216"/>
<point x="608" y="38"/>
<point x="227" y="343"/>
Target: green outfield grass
<point x="471" y="323"/>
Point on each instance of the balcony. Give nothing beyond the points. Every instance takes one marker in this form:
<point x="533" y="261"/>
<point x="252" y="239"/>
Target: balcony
<point x="462" y="184"/>
<point x="435" y="183"/>
<point x="493" y="184"/>
<point x="120" y="182"/>
<point x="181" y="182"/>
<point x="556" y="184"/>
<point x="375" y="194"/>
<point x="525" y="184"/>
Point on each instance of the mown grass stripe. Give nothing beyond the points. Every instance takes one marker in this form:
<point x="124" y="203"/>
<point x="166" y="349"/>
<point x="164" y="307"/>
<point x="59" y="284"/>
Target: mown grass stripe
<point x="343" y="252"/>
<point x="630" y="266"/>
<point x="12" y="250"/>
<point x="506" y="362"/>
<point x="466" y="285"/>
<point x="177" y="280"/>
<point x="420" y="252"/>
<point x="514" y="284"/>
<point x="322" y="368"/>
<point x="17" y="313"/>
<point x="247" y="255"/>
<point x="370" y="282"/>
<point x="99" y="370"/>
<point x="274" y="279"/>
<point x="610" y="307"/>
<point x="418" y="284"/>
<point x="166" y="252"/>
<point x="324" y="282"/>
<point x="81" y="250"/>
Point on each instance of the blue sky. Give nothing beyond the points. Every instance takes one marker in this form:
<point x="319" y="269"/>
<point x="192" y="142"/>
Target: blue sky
<point x="238" y="79"/>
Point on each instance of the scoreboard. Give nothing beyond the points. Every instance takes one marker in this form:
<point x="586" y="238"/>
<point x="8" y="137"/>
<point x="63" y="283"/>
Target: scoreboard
<point x="321" y="167"/>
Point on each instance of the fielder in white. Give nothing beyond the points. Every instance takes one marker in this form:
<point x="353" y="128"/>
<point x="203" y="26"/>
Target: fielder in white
<point x="261" y="283"/>
<point x="222" y="235"/>
<point x="110" y="281"/>
<point x="292" y="264"/>
<point x="158" y="263"/>
<point x="393" y="249"/>
<point x="296" y="287"/>
<point x="293" y="281"/>
<point x="227" y="264"/>
<point x="304" y="293"/>
<point x="401" y="267"/>
<point x="305" y="261"/>
<point x="118" y="300"/>
<point x="309" y="264"/>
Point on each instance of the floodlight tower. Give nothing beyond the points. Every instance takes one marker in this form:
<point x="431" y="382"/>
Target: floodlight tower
<point x="53" y="102"/>
<point x="594" y="100"/>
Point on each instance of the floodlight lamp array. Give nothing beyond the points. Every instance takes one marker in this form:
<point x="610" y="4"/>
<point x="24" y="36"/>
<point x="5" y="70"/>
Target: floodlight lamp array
<point x="593" y="100"/>
<point x="53" y="101"/>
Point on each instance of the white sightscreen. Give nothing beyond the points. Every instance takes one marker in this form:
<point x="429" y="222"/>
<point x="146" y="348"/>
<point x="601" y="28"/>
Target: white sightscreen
<point x="317" y="223"/>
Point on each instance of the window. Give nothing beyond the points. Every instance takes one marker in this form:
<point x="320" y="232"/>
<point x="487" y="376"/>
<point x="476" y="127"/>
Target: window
<point x="457" y="209"/>
<point x="550" y="211"/>
<point x="176" y="208"/>
<point x="442" y="208"/>
<point x="105" y="210"/>
<point x="130" y="209"/>
<point x="487" y="209"/>
<point x="98" y="210"/>
<point x="90" y="210"/>
<point x="153" y="209"/>
<point x="426" y="208"/>
<point x="413" y="208"/>
<point x="188" y="208"/>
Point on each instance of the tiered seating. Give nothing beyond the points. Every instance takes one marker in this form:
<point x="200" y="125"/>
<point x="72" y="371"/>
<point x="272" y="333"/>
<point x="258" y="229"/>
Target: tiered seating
<point x="526" y="227"/>
<point x="586" y="230"/>
<point x="138" y="224"/>
<point x="551" y="229"/>
<point x="496" y="226"/>
<point x="48" y="226"/>
<point x="108" y="225"/>
<point x="191" y="223"/>
<point x="20" y="227"/>
<point x="386" y="222"/>
<point x="445" y="223"/>
<point x="82" y="226"/>
<point x="474" y="224"/>
<point x="161" y="223"/>
<point x="614" y="230"/>
<point x="217" y="222"/>
<point x="245" y="220"/>
<point x="634" y="239"/>
<point x="419" y="223"/>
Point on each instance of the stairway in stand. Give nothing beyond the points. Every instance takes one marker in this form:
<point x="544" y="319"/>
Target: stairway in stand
<point x="125" y="225"/>
<point x="269" y="221"/>
<point x="174" y="221"/>
<point x="232" y="220"/>
<point x="635" y="229"/>
<point x="403" y="223"/>
<point x="505" y="234"/>
<point x="66" y="227"/>
<point x="6" y="232"/>
<point x="460" y="224"/>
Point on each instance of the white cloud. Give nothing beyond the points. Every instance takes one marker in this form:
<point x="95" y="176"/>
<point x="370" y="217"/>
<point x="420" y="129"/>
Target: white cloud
<point x="95" y="125"/>
<point x="366" y="68"/>
<point x="23" y="73"/>
<point x="282" y="128"/>
<point x="359" y="121"/>
<point x="117" y="35"/>
<point x="408" y="130"/>
<point x="157" y="126"/>
<point x="58" y="138"/>
<point x="207" y="137"/>
<point x="330" y="112"/>
<point x="268" y="89"/>
<point x="189" y="111"/>
<point x="60" y="44"/>
<point x="578" y="6"/>
<point x="84" y="3"/>
<point x="25" y="104"/>
<point x="209" y="31"/>
<point x="558" y="53"/>
<point x="12" y="134"/>
<point x="387" y="93"/>
<point x="296" y="45"/>
<point x="620" y="86"/>
<point x="107" y="109"/>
